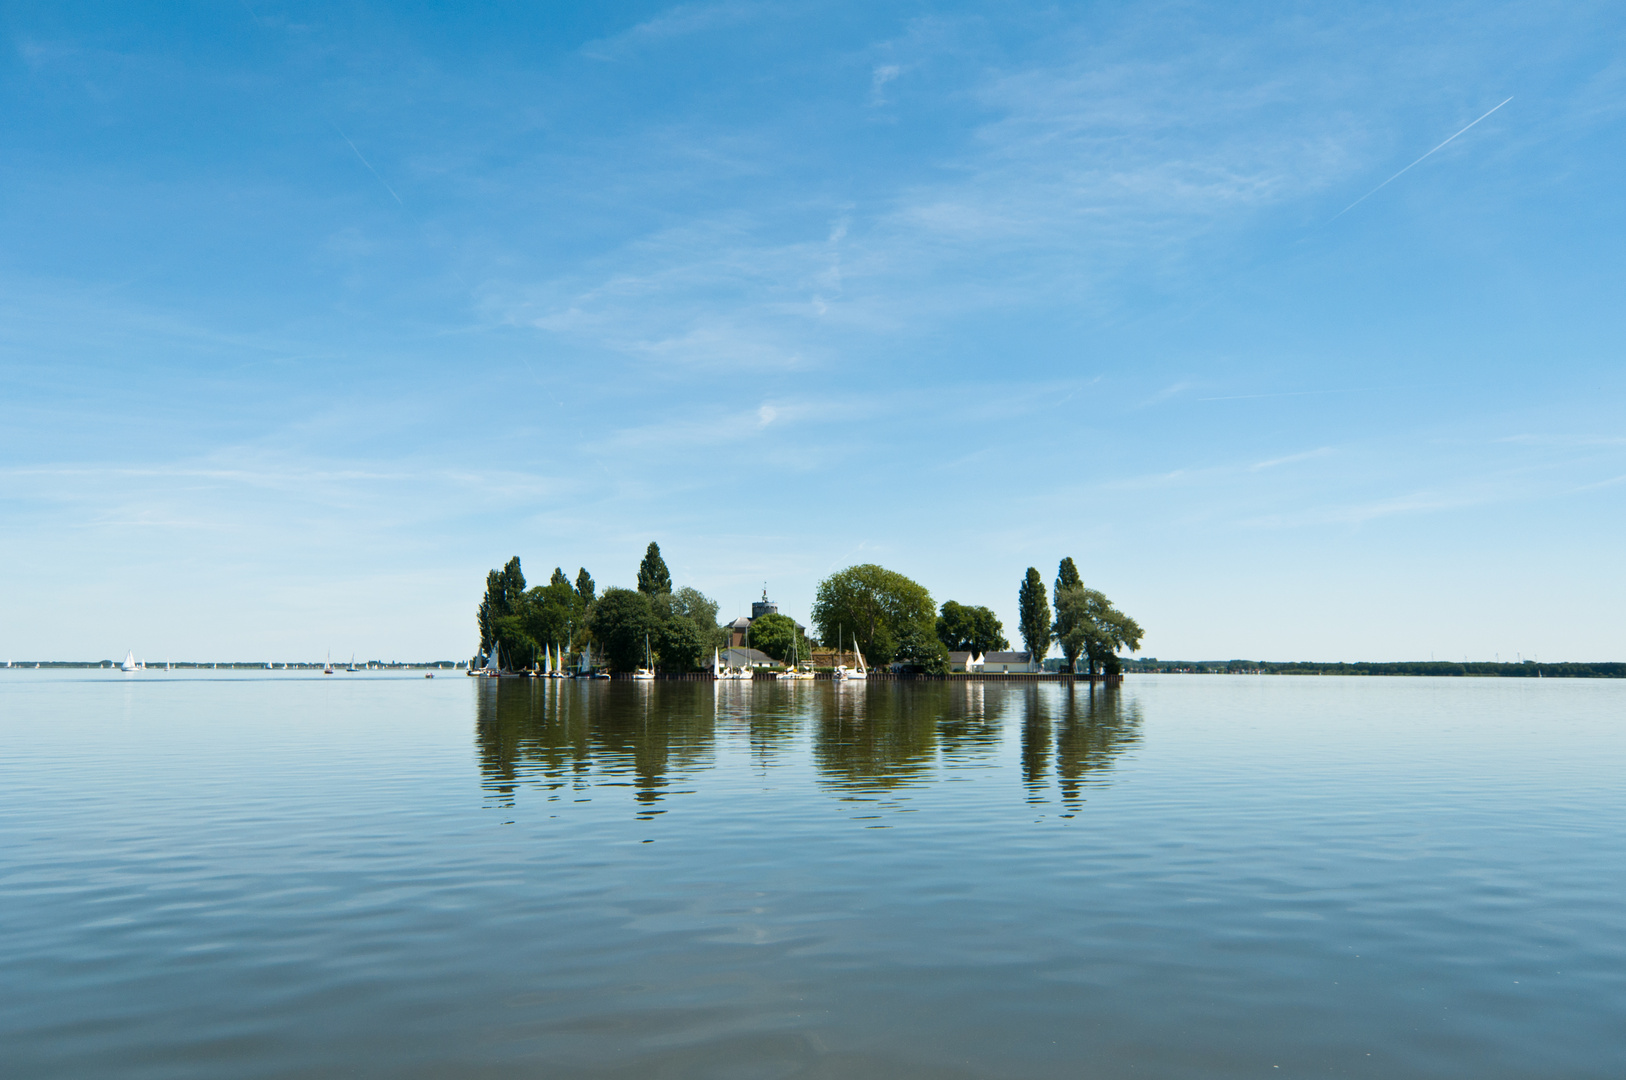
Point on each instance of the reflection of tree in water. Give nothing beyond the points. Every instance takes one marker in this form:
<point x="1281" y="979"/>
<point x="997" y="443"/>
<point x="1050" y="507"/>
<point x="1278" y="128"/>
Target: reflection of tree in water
<point x="1035" y="744"/>
<point x="889" y="735"/>
<point x="1095" y="725"/>
<point x="558" y="734"/>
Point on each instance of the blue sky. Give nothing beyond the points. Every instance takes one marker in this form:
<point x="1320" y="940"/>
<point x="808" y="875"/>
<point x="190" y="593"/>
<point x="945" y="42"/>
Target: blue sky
<point x="311" y="314"/>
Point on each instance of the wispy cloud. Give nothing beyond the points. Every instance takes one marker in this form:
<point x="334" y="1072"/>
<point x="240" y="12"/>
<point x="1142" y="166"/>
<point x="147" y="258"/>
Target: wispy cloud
<point x="1290" y="459"/>
<point x="680" y="21"/>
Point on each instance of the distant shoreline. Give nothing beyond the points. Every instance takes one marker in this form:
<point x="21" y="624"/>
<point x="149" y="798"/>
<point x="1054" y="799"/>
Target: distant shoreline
<point x="241" y="665"/>
<point x="1528" y="669"/>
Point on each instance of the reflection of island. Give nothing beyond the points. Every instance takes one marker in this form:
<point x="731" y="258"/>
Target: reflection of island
<point x="875" y="739"/>
<point x="555" y="736"/>
<point x="565" y="738"/>
<point x="1093" y="726"/>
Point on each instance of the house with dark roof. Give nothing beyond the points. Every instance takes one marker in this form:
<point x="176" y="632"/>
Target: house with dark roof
<point x="1003" y="662"/>
<point x="740" y="628"/>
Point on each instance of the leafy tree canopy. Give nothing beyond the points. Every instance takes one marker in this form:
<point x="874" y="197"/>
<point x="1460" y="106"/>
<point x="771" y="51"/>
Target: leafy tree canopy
<point x="1033" y="613"/>
<point x="653" y="578"/>
<point x="918" y="646"/>
<point x="584" y="585"/>
<point x="774" y="635"/>
<point x="871" y="606"/>
<point x="620" y="621"/>
<point x="552" y="614"/>
<point x="687" y="631"/>
<point x="503" y="589"/>
<point x="1067" y="576"/>
<point x="962" y="628"/>
<point x="1088" y="625"/>
<point x="558" y="577"/>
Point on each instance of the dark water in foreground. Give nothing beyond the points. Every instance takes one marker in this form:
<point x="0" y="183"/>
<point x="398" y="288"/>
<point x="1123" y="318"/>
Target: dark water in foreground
<point x="1187" y="877"/>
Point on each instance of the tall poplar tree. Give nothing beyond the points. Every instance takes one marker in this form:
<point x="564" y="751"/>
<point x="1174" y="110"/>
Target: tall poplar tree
<point x="1067" y="576"/>
<point x="653" y="578"/>
<point x="559" y="577"/>
<point x="584" y="585"/>
<point x="1034" y="615"/>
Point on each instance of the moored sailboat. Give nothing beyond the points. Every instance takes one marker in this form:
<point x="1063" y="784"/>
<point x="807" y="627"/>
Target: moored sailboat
<point x="646" y="672"/>
<point x="843" y="672"/>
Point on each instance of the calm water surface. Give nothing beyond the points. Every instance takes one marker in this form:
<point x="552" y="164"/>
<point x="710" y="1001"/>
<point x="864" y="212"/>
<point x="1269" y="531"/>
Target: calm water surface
<point x="382" y="876"/>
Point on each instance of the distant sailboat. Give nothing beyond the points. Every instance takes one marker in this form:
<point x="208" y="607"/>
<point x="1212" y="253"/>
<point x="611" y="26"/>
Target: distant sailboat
<point x="843" y="672"/>
<point x="648" y="670"/>
<point x="129" y="662"/>
<point x="327" y="666"/>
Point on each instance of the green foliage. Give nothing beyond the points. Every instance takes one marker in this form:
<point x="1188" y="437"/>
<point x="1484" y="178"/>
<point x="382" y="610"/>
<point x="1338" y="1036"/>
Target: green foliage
<point x="503" y="589"/>
<point x="1033" y="613"/>
<point x="1088" y="625"/>
<point x="687" y="628"/>
<point x="551" y="614"/>
<point x="513" y="581"/>
<point x="621" y="620"/>
<point x="774" y="635"/>
<point x="1067" y="576"/>
<point x="919" y="646"/>
<point x="559" y="578"/>
<point x="962" y="628"/>
<point x="584" y="585"/>
<point x="516" y="647"/>
<point x="695" y="605"/>
<point x="653" y="578"/>
<point x="679" y="644"/>
<point x="871" y="606"/>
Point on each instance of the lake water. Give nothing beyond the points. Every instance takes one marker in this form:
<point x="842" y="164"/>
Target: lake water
<point x="1189" y="876"/>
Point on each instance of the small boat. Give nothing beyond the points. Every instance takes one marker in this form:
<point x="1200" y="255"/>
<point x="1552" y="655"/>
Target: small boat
<point x="646" y="672"/>
<point x="843" y="672"/>
<point x="327" y="666"/>
<point x="129" y="662"/>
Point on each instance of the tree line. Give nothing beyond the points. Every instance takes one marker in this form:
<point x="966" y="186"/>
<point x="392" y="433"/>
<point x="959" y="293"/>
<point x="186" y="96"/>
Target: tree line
<point x="882" y="614"/>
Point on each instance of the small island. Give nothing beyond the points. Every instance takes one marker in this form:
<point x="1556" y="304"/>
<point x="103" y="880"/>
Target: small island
<point x="865" y="617"/>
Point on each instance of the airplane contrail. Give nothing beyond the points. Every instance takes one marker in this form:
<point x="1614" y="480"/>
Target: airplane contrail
<point x="391" y="190"/>
<point x="1407" y="169"/>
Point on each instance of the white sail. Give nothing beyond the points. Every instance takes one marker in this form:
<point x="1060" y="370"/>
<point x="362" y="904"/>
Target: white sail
<point x="129" y="661"/>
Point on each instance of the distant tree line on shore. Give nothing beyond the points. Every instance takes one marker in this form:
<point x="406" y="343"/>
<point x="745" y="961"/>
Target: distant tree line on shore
<point x="884" y="615"/>
<point x="1528" y="669"/>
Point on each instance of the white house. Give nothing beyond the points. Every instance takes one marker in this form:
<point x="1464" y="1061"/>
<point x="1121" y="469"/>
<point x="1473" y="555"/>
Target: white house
<point x="1002" y="662"/>
<point x="965" y="661"/>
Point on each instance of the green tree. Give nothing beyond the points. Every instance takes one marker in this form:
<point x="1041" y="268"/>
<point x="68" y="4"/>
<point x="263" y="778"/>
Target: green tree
<point x="621" y="621"/>
<point x="516" y="648"/>
<point x="1033" y="613"/>
<point x="653" y="578"/>
<point x="490" y="610"/>
<point x="963" y="628"/>
<point x="551" y="614"/>
<point x="920" y="647"/>
<point x="1088" y="625"/>
<point x="1067" y="575"/>
<point x="870" y="606"/>
<point x="774" y="635"/>
<point x="513" y="580"/>
<point x="503" y="589"/>
<point x="584" y="585"/>
<point x="558" y="577"/>
<point x="687" y="620"/>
